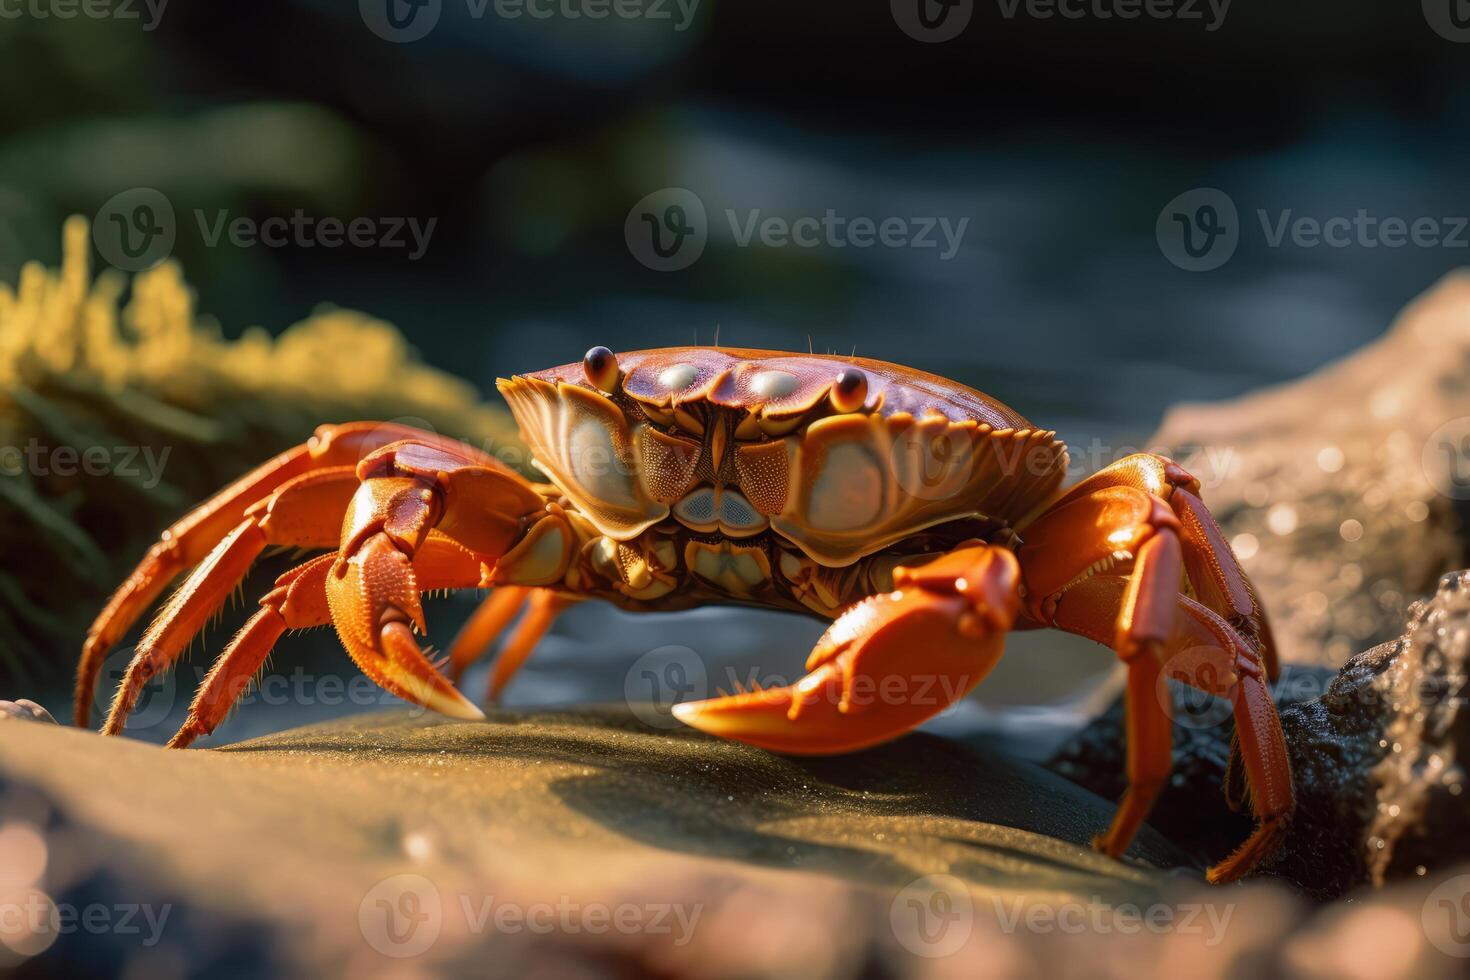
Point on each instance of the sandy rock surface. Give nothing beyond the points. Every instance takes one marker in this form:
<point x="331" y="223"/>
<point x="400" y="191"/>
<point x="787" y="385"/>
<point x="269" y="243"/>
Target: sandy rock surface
<point x="295" y="840"/>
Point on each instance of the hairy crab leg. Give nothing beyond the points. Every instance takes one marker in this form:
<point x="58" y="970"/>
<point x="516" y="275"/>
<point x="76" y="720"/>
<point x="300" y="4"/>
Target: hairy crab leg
<point x="194" y="536"/>
<point x="1217" y="660"/>
<point x="306" y="512"/>
<point x="408" y="490"/>
<point x="299" y="601"/>
<point x="1218" y="579"/>
<point x="886" y="664"/>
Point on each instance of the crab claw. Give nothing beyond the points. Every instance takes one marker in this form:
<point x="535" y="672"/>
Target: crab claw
<point x="375" y="605"/>
<point x="886" y="664"/>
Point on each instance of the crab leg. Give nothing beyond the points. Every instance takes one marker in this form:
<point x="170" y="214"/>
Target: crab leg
<point x="193" y="537"/>
<point x="886" y="664"/>
<point x="299" y="601"/>
<point x="1085" y="537"/>
<point x="1219" y="661"/>
<point x="407" y="490"/>
<point x="1214" y="571"/>
<point x="306" y="513"/>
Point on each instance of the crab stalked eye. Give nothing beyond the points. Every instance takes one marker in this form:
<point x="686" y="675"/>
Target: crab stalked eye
<point x="850" y="390"/>
<point x="601" y="366"/>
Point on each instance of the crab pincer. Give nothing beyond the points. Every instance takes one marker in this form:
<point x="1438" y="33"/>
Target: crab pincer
<point x="888" y="663"/>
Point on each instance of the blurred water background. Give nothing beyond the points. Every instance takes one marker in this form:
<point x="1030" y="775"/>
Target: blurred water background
<point x="527" y="141"/>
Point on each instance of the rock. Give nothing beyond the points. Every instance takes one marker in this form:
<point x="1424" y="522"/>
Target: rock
<point x="1345" y="493"/>
<point x="796" y="864"/>
<point x="24" y="710"/>
<point x="1377" y="759"/>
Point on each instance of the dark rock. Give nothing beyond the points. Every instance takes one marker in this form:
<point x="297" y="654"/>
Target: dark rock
<point x="1376" y="758"/>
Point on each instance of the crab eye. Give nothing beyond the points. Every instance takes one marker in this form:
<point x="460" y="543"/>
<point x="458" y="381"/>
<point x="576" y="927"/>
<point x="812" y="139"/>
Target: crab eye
<point x="850" y="390"/>
<point x="601" y="366"/>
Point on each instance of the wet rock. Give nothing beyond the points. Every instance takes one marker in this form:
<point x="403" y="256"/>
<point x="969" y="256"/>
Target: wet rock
<point x="1377" y="752"/>
<point x="1345" y="493"/>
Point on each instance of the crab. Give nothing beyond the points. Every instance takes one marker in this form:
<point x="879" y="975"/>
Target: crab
<point x="923" y="518"/>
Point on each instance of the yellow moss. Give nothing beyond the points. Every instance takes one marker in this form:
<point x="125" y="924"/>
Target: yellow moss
<point x="79" y="371"/>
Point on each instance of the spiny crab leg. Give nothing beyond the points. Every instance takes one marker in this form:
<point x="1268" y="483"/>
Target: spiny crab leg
<point x="304" y="513"/>
<point x="194" y="536"/>
<point x="299" y="601"/>
<point x="888" y="663"/>
<point x="407" y="490"/>
<point x="1219" y="661"/>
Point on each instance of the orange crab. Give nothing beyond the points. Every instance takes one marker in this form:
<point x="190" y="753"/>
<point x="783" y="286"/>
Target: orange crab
<point x="925" y="519"/>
